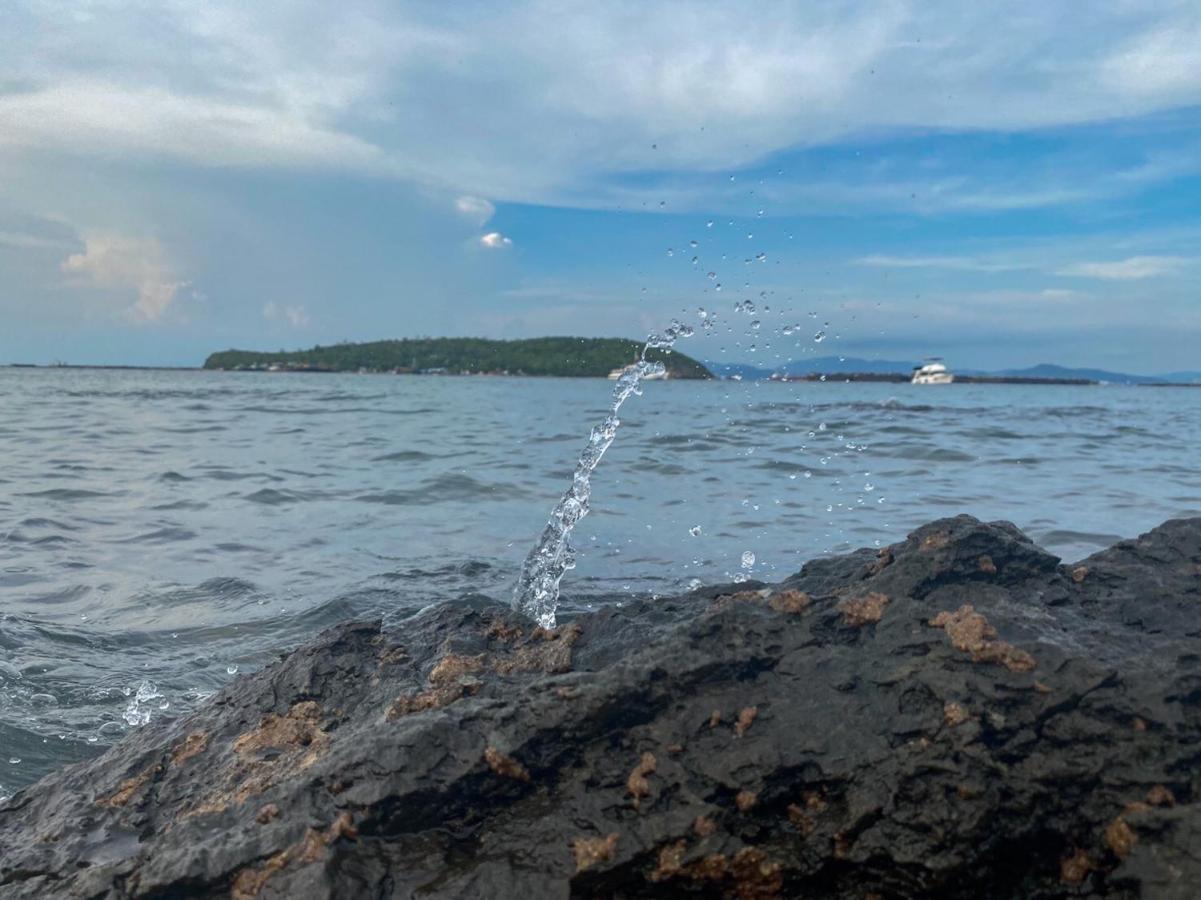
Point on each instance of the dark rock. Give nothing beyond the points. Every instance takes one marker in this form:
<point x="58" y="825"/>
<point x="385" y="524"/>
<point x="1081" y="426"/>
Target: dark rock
<point x="956" y="716"/>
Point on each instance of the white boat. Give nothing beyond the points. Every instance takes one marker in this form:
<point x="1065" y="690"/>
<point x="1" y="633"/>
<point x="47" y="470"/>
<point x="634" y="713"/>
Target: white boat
<point x="653" y="376"/>
<point x="932" y="371"/>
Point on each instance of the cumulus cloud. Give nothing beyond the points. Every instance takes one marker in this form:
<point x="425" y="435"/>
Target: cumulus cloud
<point x="1132" y="269"/>
<point x="477" y="209"/>
<point x="495" y="240"/>
<point x="126" y="264"/>
<point x="296" y="316"/>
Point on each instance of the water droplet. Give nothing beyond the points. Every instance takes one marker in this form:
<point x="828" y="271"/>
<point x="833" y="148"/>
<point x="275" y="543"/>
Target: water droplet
<point x="819" y="337"/>
<point x="711" y="276"/>
<point x="695" y="260"/>
<point x="760" y="213"/>
<point x="694" y="243"/>
<point x="232" y="670"/>
<point x="695" y="531"/>
<point x="671" y="252"/>
<point x="760" y="257"/>
<point x="709" y="224"/>
<point x="748" y="559"/>
<point x="755" y="324"/>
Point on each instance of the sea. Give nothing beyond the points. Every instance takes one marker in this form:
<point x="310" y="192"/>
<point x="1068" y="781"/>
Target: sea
<point x="162" y="532"/>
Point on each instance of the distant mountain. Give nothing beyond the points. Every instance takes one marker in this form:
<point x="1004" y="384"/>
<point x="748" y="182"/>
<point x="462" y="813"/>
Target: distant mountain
<point x="832" y="365"/>
<point x="836" y="365"/>
<point x="1048" y="370"/>
<point x="737" y="370"/>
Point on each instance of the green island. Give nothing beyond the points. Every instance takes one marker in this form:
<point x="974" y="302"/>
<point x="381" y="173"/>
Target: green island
<point x="561" y="356"/>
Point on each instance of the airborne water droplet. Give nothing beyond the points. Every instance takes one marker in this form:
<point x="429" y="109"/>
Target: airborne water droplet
<point x="695" y="531"/>
<point x="232" y="670"/>
<point x="748" y="559"/>
<point x="819" y="337"/>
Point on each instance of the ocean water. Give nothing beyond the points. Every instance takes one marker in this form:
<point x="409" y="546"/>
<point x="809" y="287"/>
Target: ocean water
<point x="162" y="531"/>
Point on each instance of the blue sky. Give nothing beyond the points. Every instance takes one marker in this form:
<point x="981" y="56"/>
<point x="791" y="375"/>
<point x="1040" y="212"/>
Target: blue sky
<point x="1001" y="184"/>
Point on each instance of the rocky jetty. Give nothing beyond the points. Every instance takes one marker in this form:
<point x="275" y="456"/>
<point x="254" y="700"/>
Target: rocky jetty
<point x="958" y="715"/>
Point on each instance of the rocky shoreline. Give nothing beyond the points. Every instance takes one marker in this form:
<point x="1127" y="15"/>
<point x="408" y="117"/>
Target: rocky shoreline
<point x="958" y="715"/>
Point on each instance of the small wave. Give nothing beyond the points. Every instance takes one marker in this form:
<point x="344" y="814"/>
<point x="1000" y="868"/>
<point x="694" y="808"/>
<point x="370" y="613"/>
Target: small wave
<point x="446" y="488"/>
<point x="40" y="522"/>
<point x="223" y="474"/>
<point x="404" y="456"/>
<point x="160" y="536"/>
<point x="273" y="497"/>
<point x="471" y="568"/>
<point x="67" y="494"/>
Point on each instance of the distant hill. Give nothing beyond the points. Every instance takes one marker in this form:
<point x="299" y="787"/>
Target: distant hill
<point x="1048" y="370"/>
<point x="824" y="364"/>
<point x="566" y="356"/>
<point x="835" y="365"/>
<point x="1184" y="377"/>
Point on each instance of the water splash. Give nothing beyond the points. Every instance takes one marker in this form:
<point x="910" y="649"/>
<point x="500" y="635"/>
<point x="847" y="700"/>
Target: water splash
<point x="138" y="710"/>
<point x="537" y="591"/>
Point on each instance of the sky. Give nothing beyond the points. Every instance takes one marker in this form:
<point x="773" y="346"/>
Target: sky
<point x="1001" y="184"/>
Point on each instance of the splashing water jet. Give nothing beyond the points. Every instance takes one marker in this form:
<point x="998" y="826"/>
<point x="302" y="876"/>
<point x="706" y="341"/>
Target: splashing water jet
<point x="537" y="591"/>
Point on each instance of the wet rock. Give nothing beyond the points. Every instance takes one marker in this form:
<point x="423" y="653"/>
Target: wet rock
<point x="958" y="715"/>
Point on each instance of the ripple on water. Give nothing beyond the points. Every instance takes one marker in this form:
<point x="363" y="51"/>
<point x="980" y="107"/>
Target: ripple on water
<point x="446" y="488"/>
<point x="454" y="479"/>
<point x="68" y="494"/>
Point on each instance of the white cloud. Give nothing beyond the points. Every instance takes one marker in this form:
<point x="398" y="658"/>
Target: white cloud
<point x="1162" y="62"/>
<point x="21" y="241"/>
<point x="1134" y="268"/>
<point x="495" y="240"/>
<point x="570" y="96"/>
<point x="138" y="121"/>
<point x="477" y="209"/>
<point x="963" y="263"/>
<point x="124" y="264"/>
<point x="296" y="316"/>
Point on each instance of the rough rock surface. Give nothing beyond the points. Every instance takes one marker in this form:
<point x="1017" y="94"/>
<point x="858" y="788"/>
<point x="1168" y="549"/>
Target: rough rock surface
<point x="958" y="715"/>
